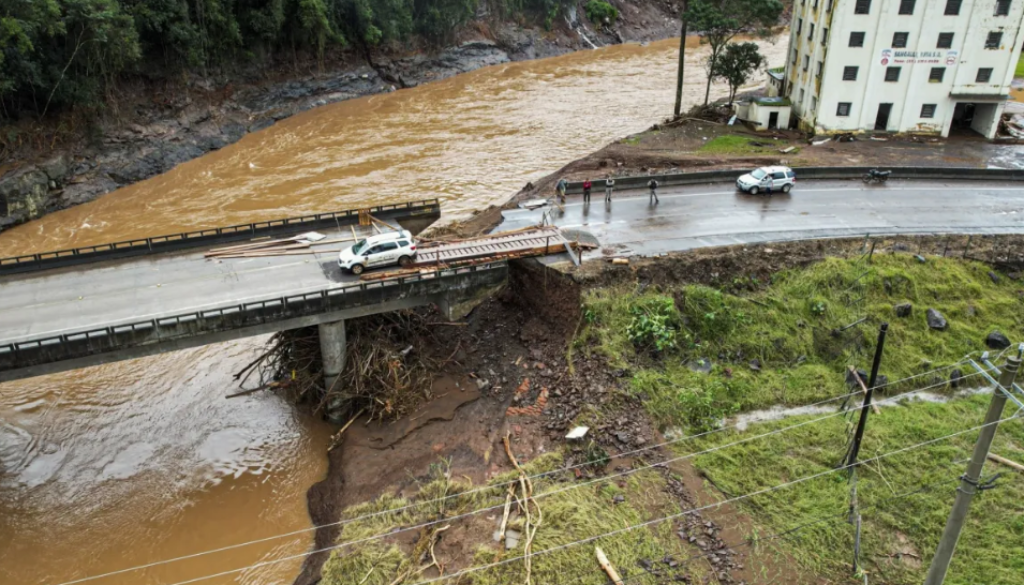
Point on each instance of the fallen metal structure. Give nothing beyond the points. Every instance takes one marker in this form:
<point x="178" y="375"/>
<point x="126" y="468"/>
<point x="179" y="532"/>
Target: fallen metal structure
<point x="536" y="241"/>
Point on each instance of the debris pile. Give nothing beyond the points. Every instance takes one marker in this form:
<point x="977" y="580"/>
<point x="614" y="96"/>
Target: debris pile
<point x="294" y="246"/>
<point x="387" y="369"/>
<point x="1012" y="125"/>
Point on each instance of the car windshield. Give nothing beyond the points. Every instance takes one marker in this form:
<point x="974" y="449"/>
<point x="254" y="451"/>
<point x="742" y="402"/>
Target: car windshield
<point x="360" y="245"/>
<point x="758" y="174"/>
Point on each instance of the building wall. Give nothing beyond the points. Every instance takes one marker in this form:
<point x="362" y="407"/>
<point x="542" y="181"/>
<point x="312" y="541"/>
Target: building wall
<point x="760" y="115"/>
<point x="816" y="99"/>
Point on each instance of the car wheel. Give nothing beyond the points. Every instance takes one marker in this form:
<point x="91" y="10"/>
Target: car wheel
<point x="358" y="269"/>
<point x="753" y="190"/>
<point x="405" y="261"/>
<point x="787" y="188"/>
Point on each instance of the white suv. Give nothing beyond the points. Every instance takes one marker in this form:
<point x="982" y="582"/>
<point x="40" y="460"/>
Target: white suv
<point x="380" y="250"/>
<point x="759" y="180"/>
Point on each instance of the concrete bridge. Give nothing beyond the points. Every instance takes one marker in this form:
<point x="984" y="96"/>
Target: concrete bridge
<point x="76" y="308"/>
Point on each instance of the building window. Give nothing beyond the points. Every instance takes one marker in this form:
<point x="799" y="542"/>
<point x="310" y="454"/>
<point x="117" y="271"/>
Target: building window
<point x="994" y="40"/>
<point x="815" y="7"/>
<point x="801" y="96"/>
<point x="824" y="36"/>
<point x="928" y="111"/>
<point x="984" y="75"/>
<point x="862" y="7"/>
<point x="936" y="75"/>
<point x="814" y="103"/>
<point x="1002" y="7"/>
<point x="810" y="33"/>
<point x="799" y="25"/>
<point x="856" y="39"/>
<point x="907" y="6"/>
<point x="807" y="62"/>
<point x="830" y="3"/>
<point x="953" y="7"/>
<point x="850" y="73"/>
<point x="892" y="74"/>
<point x="794" y="57"/>
<point x="945" y="41"/>
<point x="818" y="74"/>
<point x="899" y="40"/>
<point x="843" y="109"/>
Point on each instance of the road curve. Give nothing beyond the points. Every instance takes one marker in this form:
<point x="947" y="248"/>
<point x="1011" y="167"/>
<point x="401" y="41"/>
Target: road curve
<point x="698" y="216"/>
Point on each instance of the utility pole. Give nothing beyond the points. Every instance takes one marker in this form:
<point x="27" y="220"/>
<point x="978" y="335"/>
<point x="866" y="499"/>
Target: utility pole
<point x="969" y="482"/>
<point x="862" y="423"/>
<point x="682" y="60"/>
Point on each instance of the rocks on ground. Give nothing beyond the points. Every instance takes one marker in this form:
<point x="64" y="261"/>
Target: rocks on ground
<point x="936" y="320"/>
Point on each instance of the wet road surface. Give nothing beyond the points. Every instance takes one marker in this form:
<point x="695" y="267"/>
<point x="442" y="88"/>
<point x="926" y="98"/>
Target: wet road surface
<point x="717" y="215"/>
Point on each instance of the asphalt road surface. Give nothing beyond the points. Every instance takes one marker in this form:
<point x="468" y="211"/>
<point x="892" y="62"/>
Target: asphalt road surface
<point x="718" y="215"/>
<point x="125" y="291"/>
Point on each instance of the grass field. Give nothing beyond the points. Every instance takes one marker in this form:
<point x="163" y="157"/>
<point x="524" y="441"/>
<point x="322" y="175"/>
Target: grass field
<point x="900" y="531"/>
<point x="1020" y="67"/>
<point x="732" y="144"/>
<point x="803" y="329"/>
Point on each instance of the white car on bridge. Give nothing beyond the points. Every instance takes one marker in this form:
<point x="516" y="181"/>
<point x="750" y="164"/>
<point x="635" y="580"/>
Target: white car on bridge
<point x="385" y="249"/>
<point x="767" y="179"/>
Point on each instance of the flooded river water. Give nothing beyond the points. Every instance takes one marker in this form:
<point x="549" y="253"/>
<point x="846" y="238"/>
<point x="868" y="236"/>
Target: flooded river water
<point x="131" y="463"/>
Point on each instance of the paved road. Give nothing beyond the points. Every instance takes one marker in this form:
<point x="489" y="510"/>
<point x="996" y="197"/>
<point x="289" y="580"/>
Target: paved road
<point x="124" y="291"/>
<point x="715" y="215"/>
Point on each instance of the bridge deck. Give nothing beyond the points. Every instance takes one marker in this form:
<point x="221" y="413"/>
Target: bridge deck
<point x="121" y="291"/>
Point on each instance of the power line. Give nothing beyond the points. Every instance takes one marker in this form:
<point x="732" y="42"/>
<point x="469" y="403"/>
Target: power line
<point x="543" y="495"/>
<point x="483" y="488"/>
<point x="695" y="510"/>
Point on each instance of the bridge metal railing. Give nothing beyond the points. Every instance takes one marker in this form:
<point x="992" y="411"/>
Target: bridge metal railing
<point x="84" y="343"/>
<point x="181" y="241"/>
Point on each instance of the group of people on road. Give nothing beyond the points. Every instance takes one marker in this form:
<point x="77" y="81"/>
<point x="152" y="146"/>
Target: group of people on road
<point x="609" y="188"/>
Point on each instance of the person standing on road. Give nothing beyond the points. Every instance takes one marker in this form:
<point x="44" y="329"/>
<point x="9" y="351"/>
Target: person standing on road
<point x="609" y="186"/>
<point x="562" y="186"/>
<point x="771" y="184"/>
<point x="653" y="200"/>
<point x="586" y="190"/>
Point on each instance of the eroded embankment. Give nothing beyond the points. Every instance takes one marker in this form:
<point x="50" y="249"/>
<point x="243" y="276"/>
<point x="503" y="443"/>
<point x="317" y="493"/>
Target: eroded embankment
<point x="553" y="351"/>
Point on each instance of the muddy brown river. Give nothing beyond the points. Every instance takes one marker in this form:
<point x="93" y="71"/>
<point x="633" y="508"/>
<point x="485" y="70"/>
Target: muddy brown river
<point x="136" y="462"/>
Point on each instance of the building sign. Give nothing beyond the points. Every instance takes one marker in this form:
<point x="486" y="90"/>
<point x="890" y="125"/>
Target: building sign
<point x="902" y="57"/>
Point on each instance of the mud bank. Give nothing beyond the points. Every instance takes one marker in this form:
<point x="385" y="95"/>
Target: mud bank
<point x="162" y="127"/>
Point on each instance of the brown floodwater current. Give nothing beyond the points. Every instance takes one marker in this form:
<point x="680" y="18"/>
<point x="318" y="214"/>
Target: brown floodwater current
<point x="131" y="463"/>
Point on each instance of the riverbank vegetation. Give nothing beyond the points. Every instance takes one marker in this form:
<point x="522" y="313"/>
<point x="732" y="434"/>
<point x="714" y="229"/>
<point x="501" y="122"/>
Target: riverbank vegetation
<point x="695" y="355"/>
<point x="55" y="54"/>
<point x="698" y="353"/>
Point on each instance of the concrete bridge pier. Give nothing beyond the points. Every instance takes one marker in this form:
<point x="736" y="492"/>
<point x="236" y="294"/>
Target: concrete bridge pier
<point x="332" y="346"/>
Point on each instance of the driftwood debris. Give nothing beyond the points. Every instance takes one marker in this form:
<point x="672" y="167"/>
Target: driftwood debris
<point x="864" y="389"/>
<point x="1006" y="462"/>
<point x="607" y="566"/>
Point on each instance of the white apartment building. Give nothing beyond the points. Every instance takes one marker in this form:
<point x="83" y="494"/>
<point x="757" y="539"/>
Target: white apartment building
<point x="921" y="66"/>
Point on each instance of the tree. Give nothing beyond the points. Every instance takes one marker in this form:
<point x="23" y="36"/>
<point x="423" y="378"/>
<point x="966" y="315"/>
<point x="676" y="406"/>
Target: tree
<point x="736" y="64"/>
<point x="682" y="59"/>
<point x="719" y="21"/>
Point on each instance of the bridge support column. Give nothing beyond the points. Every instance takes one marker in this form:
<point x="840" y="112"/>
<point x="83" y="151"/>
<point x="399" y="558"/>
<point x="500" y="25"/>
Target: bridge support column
<point x="332" y="346"/>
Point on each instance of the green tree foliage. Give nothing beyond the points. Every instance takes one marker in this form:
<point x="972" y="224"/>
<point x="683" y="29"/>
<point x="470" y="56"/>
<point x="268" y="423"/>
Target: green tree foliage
<point x="737" y="63"/>
<point x="598" y="11"/>
<point x="55" y="54"/>
<point x="719" y="21"/>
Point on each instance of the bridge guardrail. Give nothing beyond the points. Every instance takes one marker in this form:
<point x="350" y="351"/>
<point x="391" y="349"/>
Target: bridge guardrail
<point x="185" y="240"/>
<point x="810" y="173"/>
<point x="89" y="342"/>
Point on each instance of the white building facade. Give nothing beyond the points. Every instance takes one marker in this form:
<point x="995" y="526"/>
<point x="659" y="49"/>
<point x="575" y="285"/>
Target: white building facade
<point x="920" y="66"/>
